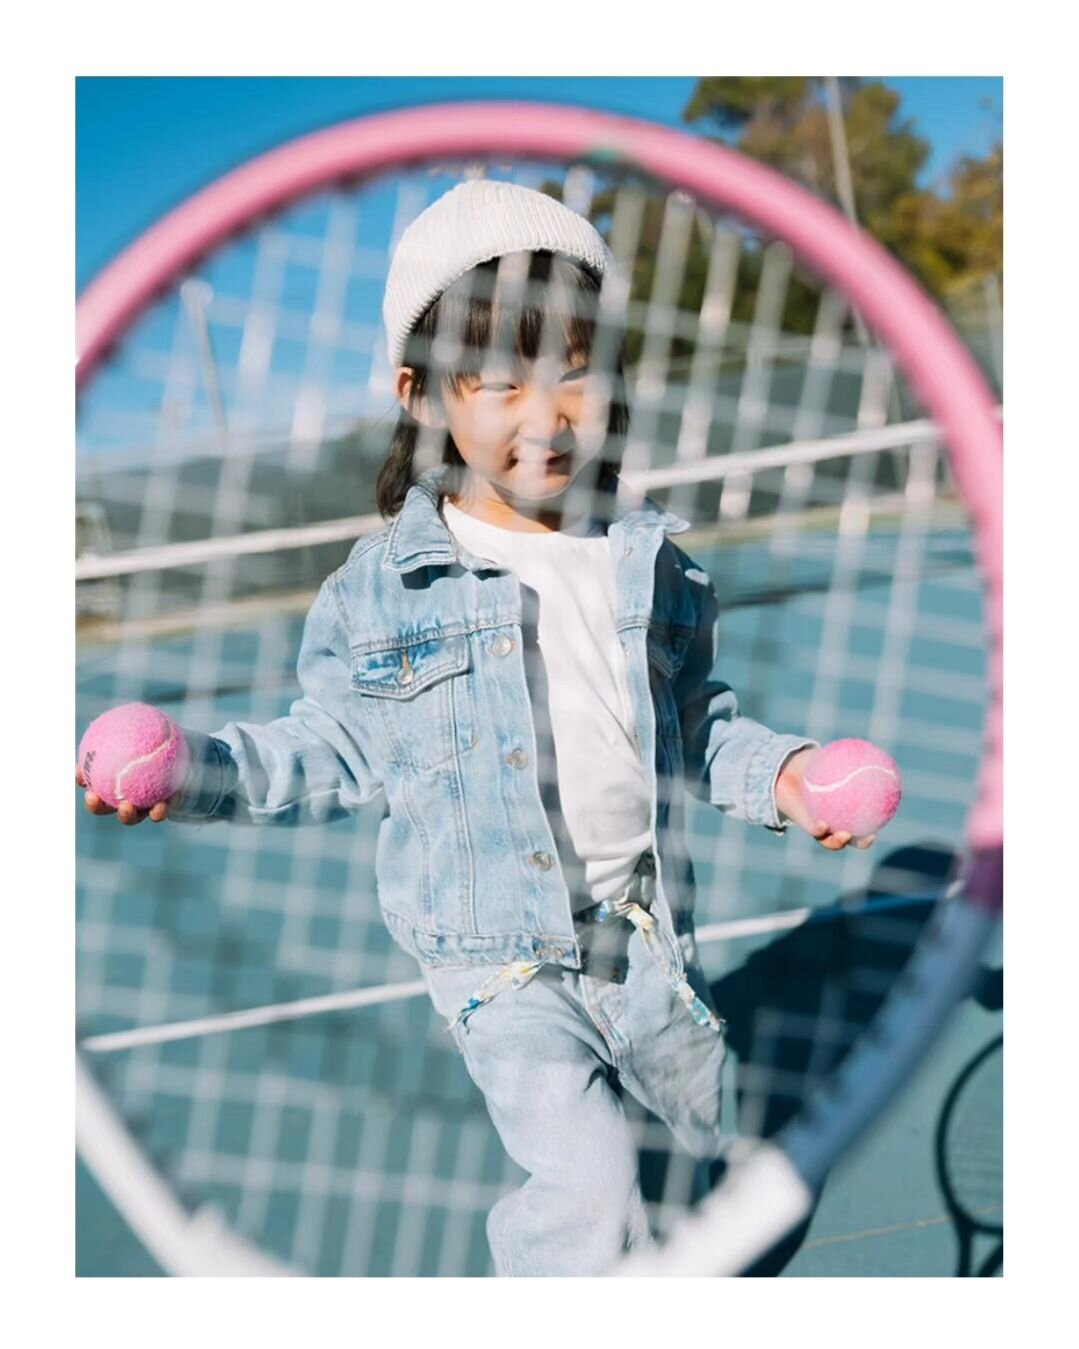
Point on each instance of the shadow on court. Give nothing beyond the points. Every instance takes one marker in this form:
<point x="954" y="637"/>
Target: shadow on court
<point x="796" y="1007"/>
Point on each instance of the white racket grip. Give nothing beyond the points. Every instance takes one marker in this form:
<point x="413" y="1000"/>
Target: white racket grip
<point x="761" y="1199"/>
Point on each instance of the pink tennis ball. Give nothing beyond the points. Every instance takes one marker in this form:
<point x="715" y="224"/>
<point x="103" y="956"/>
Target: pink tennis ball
<point x="853" y="785"/>
<point x="133" y="753"/>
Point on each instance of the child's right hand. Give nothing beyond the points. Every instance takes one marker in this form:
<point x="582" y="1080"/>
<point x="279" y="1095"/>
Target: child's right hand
<point x="128" y="814"/>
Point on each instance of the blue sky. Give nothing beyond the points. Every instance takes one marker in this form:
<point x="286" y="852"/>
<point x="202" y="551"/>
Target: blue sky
<point x="144" y="144"/>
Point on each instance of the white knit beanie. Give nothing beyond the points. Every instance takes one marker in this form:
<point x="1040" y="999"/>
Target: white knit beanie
<point x="472" y="223"/>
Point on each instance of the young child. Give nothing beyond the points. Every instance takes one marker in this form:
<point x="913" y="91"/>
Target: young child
<point x="522" y="661"/>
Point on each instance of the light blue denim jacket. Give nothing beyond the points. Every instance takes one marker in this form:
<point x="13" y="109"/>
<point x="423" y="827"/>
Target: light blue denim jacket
<point x="414" y="685"/>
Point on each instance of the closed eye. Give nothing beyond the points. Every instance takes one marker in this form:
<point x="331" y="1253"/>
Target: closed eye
<point x="573" y="376"/>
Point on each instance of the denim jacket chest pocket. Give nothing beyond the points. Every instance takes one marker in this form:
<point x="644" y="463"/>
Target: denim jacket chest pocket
<point x="419" y="697"/>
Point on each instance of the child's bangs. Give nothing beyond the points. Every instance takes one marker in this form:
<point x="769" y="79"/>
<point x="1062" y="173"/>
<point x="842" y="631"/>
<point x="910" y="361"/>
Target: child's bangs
<point x="499" y="310"/>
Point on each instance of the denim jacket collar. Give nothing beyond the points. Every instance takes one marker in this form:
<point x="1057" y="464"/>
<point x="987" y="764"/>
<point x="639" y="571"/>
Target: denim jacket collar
<point x="418" y="535"/>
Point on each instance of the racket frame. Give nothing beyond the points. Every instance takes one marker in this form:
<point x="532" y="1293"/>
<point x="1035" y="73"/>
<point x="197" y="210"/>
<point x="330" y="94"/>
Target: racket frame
<point x="940" y="370"/>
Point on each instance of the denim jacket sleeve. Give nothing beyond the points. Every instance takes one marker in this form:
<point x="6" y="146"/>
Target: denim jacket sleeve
<point x="732" y="762"/>
<point x="306" y="767"/>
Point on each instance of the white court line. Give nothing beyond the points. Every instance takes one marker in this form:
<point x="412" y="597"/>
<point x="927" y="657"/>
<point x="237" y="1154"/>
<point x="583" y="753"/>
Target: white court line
<point x="255" y="1016"/>
<point x="377" y="994"/>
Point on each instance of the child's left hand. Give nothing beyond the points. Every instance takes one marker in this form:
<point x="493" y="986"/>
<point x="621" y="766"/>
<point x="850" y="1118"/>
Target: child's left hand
<point x="789" y="800"/>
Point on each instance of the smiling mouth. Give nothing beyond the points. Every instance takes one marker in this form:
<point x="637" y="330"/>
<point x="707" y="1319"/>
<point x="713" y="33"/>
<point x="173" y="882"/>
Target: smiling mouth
<point x="551" y="460"/>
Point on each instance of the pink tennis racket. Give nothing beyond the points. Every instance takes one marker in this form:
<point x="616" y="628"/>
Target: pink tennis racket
<point x="262" y="1087"/>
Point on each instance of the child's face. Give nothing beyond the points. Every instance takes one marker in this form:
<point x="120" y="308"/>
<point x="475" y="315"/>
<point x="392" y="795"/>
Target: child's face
<point x="527" y="428"/>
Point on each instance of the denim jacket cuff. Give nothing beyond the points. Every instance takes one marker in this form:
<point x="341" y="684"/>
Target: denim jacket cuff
<point x="762" y="775"/>
<point x="202" y="790"/>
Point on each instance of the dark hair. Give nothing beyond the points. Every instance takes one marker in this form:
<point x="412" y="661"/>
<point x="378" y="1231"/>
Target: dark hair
<point x="466" y="309"/>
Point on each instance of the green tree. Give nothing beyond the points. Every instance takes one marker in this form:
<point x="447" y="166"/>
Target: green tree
<point x="950" y="242"/>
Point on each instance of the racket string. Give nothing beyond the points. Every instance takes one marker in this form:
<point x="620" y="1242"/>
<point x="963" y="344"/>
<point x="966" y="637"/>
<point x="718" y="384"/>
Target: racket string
<point x="218" y="419"/>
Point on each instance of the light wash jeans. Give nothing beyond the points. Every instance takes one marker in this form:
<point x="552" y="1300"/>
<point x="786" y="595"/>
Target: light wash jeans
<point x="545" y="1045"/>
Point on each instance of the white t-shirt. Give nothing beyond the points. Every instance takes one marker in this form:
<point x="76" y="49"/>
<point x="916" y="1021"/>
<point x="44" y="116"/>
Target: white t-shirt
<point x="601" y="779"/>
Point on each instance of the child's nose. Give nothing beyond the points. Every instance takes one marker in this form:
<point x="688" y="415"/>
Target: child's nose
<point x="543" y="414"/>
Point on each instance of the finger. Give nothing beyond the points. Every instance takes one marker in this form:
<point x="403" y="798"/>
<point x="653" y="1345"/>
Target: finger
<point x="820" y="829"/>
<point x="159" y="811"/>
<point x="797" y="814"/>
<point x="130" y="814"/>
<point x="96" y="806"/>
<point x="78" y="777"/>
<point x="866" y="842"/>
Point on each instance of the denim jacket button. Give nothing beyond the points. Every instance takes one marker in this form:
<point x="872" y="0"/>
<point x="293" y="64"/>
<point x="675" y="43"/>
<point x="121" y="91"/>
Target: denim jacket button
<point x="503" y="646"/>
<point x="543" y="860"/>
<point x="518" y="758"/>
<point x="629" y="549"/>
